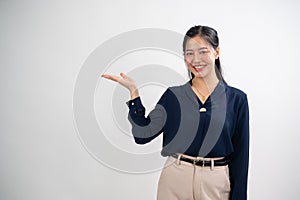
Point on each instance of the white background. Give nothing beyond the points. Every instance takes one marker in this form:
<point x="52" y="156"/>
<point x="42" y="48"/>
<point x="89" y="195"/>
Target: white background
<point x="43" y="45"/>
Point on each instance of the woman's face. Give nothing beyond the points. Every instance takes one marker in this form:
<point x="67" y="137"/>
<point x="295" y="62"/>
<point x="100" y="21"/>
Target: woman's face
<point x="200" y="57"/>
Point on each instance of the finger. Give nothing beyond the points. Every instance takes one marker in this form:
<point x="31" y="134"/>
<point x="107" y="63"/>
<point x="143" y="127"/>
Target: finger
<point x="106" y="76"/>
<point x="123" y="75"/>
<point x="111" y="77"/>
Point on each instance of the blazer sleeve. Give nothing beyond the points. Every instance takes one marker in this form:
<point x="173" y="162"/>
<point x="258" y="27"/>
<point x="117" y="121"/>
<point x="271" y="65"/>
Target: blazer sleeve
<point x="146" y="128"/>
<point x="239" y="159"/>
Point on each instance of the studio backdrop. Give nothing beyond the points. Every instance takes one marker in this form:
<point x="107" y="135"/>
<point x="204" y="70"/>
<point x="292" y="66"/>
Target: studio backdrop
<point x="64" y="131"/>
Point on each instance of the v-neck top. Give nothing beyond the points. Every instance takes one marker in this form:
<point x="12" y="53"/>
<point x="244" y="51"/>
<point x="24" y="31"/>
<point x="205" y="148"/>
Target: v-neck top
<point x="219" y="127"/>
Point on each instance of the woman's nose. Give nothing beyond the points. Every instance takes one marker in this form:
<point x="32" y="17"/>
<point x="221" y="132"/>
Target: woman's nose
<point x="196" y="57"/>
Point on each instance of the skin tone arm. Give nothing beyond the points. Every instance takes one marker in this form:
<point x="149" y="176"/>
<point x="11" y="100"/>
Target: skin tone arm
<point x="126" y="81"/>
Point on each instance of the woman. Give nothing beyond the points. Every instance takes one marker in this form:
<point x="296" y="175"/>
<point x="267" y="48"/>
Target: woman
<point x="205" y="126"/>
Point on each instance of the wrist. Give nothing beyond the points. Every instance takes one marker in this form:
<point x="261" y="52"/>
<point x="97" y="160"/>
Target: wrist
<point x="134" y="93"/>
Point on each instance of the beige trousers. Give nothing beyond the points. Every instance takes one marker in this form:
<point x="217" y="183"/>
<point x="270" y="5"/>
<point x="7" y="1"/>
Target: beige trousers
<point x="181" y="180"/>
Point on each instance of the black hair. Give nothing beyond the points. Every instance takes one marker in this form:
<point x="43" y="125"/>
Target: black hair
<point x="210" y="35"/>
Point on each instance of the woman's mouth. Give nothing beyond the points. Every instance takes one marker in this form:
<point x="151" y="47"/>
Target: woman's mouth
<point x="199" y="67"/>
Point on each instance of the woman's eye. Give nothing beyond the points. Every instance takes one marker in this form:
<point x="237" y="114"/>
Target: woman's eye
<point x="203" y="52"/>
<point x="189" y="53"/>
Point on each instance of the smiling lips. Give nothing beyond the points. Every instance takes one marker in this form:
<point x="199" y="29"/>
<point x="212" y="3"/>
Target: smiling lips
<point x="199" y="67"/>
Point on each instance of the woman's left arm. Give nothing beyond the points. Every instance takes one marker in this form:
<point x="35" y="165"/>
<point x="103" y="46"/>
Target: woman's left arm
<point x="239" y="159"/>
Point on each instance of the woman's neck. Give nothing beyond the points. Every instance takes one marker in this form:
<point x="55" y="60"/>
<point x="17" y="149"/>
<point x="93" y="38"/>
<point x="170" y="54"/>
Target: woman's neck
<point x="205" y="84"/>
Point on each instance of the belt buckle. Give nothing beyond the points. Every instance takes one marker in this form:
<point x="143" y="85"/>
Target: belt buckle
<point x="194" y="162"/>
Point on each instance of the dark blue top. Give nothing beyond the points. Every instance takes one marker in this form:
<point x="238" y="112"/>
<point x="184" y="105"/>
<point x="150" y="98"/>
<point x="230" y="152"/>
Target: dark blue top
<point x="217" y="128"/>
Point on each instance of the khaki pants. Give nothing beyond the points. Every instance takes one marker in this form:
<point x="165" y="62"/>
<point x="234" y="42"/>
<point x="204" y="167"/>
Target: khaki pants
<point x="181" y="180"/>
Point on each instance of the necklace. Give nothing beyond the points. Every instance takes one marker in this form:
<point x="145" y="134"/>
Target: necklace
<point x="203" y="97"/>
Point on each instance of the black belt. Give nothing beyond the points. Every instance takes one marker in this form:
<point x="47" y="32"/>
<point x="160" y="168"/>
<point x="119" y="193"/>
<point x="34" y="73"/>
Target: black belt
<point x="203" y="163"/>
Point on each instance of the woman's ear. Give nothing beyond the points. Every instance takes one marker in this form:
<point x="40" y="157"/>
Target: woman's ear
<point x="217" y="52"/>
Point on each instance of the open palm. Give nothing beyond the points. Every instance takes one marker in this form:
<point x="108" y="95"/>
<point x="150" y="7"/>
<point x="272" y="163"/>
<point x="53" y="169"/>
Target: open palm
<point x="126" y="81"/>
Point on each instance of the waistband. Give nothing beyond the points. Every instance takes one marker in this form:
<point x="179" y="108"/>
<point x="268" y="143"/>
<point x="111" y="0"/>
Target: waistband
<point x="204" y="162"/>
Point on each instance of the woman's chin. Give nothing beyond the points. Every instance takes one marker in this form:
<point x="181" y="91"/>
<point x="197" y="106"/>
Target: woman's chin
<point x="198" y="74"/>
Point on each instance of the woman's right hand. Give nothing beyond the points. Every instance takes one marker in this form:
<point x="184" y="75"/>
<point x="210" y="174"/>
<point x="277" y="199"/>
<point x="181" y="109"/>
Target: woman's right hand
<point x="126" y="81"/>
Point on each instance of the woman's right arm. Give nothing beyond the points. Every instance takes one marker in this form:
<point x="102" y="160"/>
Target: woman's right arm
<point x="144" y="129"/>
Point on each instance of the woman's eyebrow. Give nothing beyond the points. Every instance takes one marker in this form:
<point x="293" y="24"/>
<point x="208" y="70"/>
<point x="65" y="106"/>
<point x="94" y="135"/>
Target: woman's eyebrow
<point x="201" y="48"/>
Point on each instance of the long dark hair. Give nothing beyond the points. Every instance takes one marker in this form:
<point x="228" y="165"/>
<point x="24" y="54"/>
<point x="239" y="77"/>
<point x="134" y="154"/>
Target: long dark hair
<point x="210" y="35"/>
